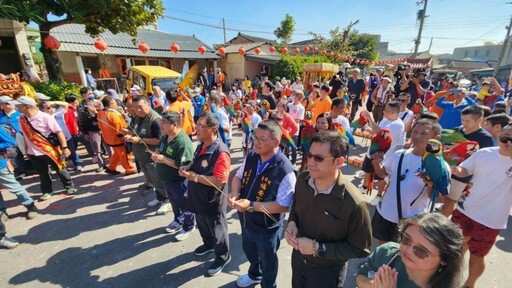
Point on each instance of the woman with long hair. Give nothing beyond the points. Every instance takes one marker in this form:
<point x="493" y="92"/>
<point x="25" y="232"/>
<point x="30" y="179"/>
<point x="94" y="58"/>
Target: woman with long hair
<point x="429" y="255"/>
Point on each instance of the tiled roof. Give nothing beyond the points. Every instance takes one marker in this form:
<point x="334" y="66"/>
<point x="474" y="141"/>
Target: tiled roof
<point x="252" y="39"/>
<point x="73" y="39"/>
<point x="268" y="59"/>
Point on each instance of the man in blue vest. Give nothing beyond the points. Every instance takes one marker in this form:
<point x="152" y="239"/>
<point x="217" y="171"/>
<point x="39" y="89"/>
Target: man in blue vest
<point x="207" y="174"/>
<point x="262" y="191"/>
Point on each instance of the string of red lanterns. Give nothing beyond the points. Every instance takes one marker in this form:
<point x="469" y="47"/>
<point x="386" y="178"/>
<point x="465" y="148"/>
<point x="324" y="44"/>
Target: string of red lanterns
<point x="54" y="44"/>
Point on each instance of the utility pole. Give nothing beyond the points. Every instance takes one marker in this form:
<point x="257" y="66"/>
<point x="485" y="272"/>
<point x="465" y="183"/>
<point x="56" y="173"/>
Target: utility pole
<point x="430" y="46"/>
<point x="224" y="29"/>
<point x="421" y="17"/>
<point x="503" y="48"/>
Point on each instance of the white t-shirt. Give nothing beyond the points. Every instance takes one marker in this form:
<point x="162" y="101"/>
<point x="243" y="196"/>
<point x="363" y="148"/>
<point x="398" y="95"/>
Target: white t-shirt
<point x="408" y="116"/>
<point x="59" y="116"/>
<point x="397" y="135"/>
<point x="411" y="187"/>
<point x="296" y="111"/>
<point x="343" y="121"/>
<point x="490" y="197"/>
<point x="297" y="86"/>
<point x="255" y="120"/>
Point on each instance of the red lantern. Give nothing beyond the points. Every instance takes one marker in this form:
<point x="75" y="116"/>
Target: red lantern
<point x="100" y="45"/>
<point x="271" y="49"/>
<point x="330" y="54"/>
<point x="52" y="43"/>
<point x="284" y="50"/>
<point x="305" y="49"/>
<point x="175" y="47"/>
<point x="257" y="50"/>
<point x="241" y="51"/>
<point x="221" y="51"/>
<point x="315" y="49"/>
<point x="296" y="50"/>
<point x="201" y="49"/>
<point x="357" y="61"/>
<point x="143" y="47"/>
<point x="337" y="56"/>
<point x="323" y="52"/>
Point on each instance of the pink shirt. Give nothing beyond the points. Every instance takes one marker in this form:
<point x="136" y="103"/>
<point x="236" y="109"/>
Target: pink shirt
<point x="44" y="123"/>
<point x="290" y="125"/>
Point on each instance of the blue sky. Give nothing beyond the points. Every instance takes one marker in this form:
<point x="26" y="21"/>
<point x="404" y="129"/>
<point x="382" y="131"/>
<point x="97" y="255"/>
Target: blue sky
<point x="452" y="23"/>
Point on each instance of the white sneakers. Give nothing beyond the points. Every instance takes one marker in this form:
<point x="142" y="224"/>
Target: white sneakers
<point x="246" y="281"/>
<point x="184" y="234"/>
<point x="164" y="208"/>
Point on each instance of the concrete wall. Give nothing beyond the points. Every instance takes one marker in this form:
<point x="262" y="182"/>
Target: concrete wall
<point x="253" y="68"/>
<point x="234" y="66"/>
<point x="492" y="52"/>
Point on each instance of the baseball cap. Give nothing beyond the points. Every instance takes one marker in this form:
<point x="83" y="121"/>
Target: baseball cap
<point x="98" y="93"/>
<point x="26" y="100"/>
<point x="251" y="103"/>
<point x="112" y="93"/>
<point x="387" y="79"/>
<point x="5" y="99"/>
<point x="197" y="90"/>
<point x="316" y="85"/>
<point x="135" y="87"/>
<point x="357" y="70"/>
<point x="41" y="96"/>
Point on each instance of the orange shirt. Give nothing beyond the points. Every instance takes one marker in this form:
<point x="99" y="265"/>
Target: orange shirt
<point x="433" y="107"/>
<point x="221" y="78"/>
<point x="105" y="73"/>
<point x="321" y="106"/>
<point x="110" y="123"/>
<point x="187" y="121"/>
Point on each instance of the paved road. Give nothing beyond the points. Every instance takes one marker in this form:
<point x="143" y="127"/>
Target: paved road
<point x="106" y="236"/>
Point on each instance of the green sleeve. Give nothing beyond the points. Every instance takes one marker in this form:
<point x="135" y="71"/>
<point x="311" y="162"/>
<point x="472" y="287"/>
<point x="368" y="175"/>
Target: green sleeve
<point x="184" y="155"/>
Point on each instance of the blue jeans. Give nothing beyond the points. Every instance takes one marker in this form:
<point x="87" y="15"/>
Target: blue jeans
<point x="9" y="182"/>
<point x="72" y="148"/>
<point x="176" y="192"/>
<point x="261" y="251"/>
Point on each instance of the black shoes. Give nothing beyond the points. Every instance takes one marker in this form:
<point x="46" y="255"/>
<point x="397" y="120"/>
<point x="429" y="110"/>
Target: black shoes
<point x="217" y="266"/>
<point x="31" y="211"/>
<point x="202" y="250"/>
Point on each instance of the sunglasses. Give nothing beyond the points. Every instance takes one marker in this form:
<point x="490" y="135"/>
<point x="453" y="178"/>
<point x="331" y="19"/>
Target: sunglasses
<point x="418" y="251"/>
<point x="504" y="139"/>
<point x="317" y="158"/>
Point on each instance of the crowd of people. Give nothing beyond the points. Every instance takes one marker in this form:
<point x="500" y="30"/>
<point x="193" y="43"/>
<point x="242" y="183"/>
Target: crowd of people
<point x="329" y="220"/>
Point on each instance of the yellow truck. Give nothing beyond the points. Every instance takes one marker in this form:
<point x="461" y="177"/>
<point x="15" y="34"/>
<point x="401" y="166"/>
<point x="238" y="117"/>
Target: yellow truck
<point x="147" y="76"/>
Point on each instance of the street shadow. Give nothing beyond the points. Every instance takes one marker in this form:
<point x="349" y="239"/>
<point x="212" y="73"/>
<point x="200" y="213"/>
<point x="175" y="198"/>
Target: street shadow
<point x="505" y="244"/>
<point x="73" y="267"/>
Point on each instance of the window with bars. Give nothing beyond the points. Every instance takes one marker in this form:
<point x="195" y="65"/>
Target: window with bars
<point x="91" y="62"/>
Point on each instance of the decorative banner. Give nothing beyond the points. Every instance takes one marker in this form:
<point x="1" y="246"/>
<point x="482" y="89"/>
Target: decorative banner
<point x="257" y="50"/>
<point x="143" y="47"/>
<point x="221" y="51"/>
<point x="271" y="49"/>
<point x="284" y="50"/>
<point x="100" y="45"/>
<point x="201" y="49"/>
<point x="52" y="43"/>
<point x="175" y="47"/>
<point x="241" y="51"/>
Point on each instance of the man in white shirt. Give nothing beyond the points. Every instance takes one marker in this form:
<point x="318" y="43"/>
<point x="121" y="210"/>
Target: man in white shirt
<point x="221" y="114"/>
<point x="414" y="190"/>
<point x="405" y="114"/>
<point x="297" y="85"/>
<point x="250" y="107"/>
<point x="338" y="107"/>
<point x="393" y="123"/>
<point x="485" y="210"/>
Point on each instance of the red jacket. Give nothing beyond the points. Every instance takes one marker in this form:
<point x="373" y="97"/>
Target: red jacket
<point x="71" y="122"/>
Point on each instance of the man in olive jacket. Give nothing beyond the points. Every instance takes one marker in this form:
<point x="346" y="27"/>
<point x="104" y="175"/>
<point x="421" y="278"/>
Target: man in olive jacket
<point x="329" y="222"/>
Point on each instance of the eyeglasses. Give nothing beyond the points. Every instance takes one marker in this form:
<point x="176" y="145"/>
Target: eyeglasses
<point x="418" y="251"/>
<point x="317" y="158"/>
<point x="203" y="126"/>
<point x="259" y="139"/>
<point x="504" y="139"/>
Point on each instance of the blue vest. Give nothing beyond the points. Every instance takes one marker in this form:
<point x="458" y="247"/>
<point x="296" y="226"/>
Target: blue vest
<point x="262" y="187"/>
<point x="203" y="199"/>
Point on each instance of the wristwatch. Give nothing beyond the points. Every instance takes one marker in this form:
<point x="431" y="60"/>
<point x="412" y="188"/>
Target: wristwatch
<point x="320" y="251"/>
<point x="251" y="207"/>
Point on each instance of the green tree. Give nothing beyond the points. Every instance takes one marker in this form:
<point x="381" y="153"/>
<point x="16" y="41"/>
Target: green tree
<point x="97" y="16"/>
<point x="286" y="29"/>
<point x="349" y="43"/>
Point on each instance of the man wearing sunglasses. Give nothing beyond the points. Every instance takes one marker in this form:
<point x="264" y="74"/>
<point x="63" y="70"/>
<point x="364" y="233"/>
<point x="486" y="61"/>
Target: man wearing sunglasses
<point x="329" y="222"/>
<point x="485" y="211"/>
<point x="262" y="191"/>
